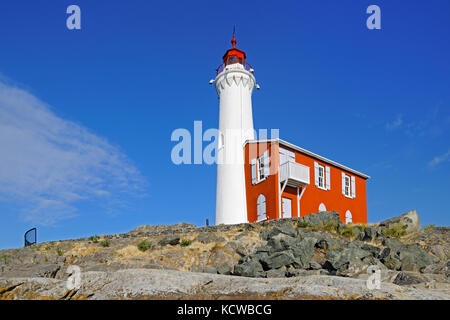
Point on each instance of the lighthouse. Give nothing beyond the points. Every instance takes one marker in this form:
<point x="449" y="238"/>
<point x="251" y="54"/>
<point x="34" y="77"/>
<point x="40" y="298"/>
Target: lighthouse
<point x="234" y="84"/>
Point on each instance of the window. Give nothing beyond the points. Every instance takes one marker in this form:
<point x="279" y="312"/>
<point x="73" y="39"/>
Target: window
<point x="348" y="217"/>
<point x="322" y="207"/>
<point x="261" y="207"/>
<point x="260" y="168"/>
<point x="322" y="176"/>
<point x="348" y="186"/>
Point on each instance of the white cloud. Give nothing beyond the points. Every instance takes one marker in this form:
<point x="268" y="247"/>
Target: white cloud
<point x="49" y="165"/>
<point x="440" y="159"/>
<point x="395" y="124"/>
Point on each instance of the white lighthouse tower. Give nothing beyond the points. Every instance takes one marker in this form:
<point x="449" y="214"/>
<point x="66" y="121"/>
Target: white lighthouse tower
<point x="234" y="85"/>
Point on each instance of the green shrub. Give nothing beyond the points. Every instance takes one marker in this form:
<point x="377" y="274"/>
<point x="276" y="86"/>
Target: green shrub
<point x="59" y="252"/>
<point x="329" y="226"/>
<point x="302" y="224"/>
<point x="348" y="232"/>
<point x="105" y="243"/>
<point x="429" y="227"/>
<point x="361" y="226"/>
<point x="4" y="257"/>
<point x="48" y="247"/>
<point x="185" y="242"/>
<point x="396" y="231"/>
<point x="94" y="239"/>
<point x="144" y="245"/>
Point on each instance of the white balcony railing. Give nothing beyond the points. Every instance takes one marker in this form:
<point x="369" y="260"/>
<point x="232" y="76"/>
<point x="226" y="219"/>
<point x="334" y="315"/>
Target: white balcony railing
<point x="296" y="174"/>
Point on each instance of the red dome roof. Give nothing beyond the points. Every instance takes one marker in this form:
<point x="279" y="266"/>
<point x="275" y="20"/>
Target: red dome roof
<point x="234" y="52"/>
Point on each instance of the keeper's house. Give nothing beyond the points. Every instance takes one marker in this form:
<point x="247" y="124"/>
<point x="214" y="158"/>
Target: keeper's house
<point x="283" y="180"/>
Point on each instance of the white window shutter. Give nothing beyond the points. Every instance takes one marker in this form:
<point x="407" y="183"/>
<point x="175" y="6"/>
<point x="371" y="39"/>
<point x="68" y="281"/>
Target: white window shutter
<point x="353" y="188"/>
<point x="343" y="183"/>
<point x="328" y="178"/>
<point x="316" y="173"/>
<point x="266" y="164"/>
<point x="253" y="164"/>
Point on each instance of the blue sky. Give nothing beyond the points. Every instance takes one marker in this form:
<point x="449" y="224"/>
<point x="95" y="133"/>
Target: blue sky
<point x="86" y="116"/>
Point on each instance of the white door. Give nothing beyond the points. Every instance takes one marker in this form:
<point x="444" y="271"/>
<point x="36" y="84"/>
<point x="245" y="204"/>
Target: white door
<point x="287" y="208"/>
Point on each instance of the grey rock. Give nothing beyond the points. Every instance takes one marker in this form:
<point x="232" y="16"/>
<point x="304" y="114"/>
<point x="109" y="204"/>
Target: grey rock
<point x="314" y="265"/>
<point x="31" y="270"/>
<point x="249" y="268"/>
<point x="276" y="273"/>
<point x="442" y="267"/>
<point x="404" y="278"/>
<point x="393" y="244"/>
<point x="375" y="251"/>
<point x="370" y="234"/>
<point x="277" y="260"/>
<point x="208" y="237"/>
<point x="170" y="239"/>
<point x="281" y="242"/>
<point x="360" y="236"/>
<point x="285" y="229"/>
<point x="339" y="257"/>
<point x="414" y="258"/>
<point x="157" y="284"/>
<point x="224" y="269"/>
<point x="328" y="243"/>
<point x="210" y="269"/>
<point x="303" y="252"/>
<point x="321" y="218"/>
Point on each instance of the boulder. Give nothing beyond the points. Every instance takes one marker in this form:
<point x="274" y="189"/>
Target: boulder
<point x="321" y="218"/>
<point x="208" y="237"/>
<point x="303" y="252"/>
<point x="328" y="243"/>
<point x="281" y="242"/>
<point x="285" y="229"/>
<point x="339" y="257"/>
<point x="393" y="244"/>
<point x="404" y="278"/>
<point x="414" y="258"/>
<point x="409" y="220"/>
<point x="370" y="234"/>
<point x="277" y="260"/>
<point x="224" y="269"/>
<point x="250" y="268"/>
<point x="390" y="259"/>
<point x="170" y="239"/>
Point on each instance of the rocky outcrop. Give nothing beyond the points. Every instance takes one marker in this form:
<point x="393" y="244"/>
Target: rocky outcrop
<point x="172" y="284"/>
<point x="318" y="246"/>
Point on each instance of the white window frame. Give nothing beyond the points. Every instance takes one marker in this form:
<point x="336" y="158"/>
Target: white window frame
<point x="260" y="168"/>
<point x="347" y="193"/>
<point x="323" y="186"/>
<point x="348" y="217"/>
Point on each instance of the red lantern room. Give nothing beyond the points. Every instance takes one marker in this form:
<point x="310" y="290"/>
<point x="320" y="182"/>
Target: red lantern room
<point x="233" y="56"/>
